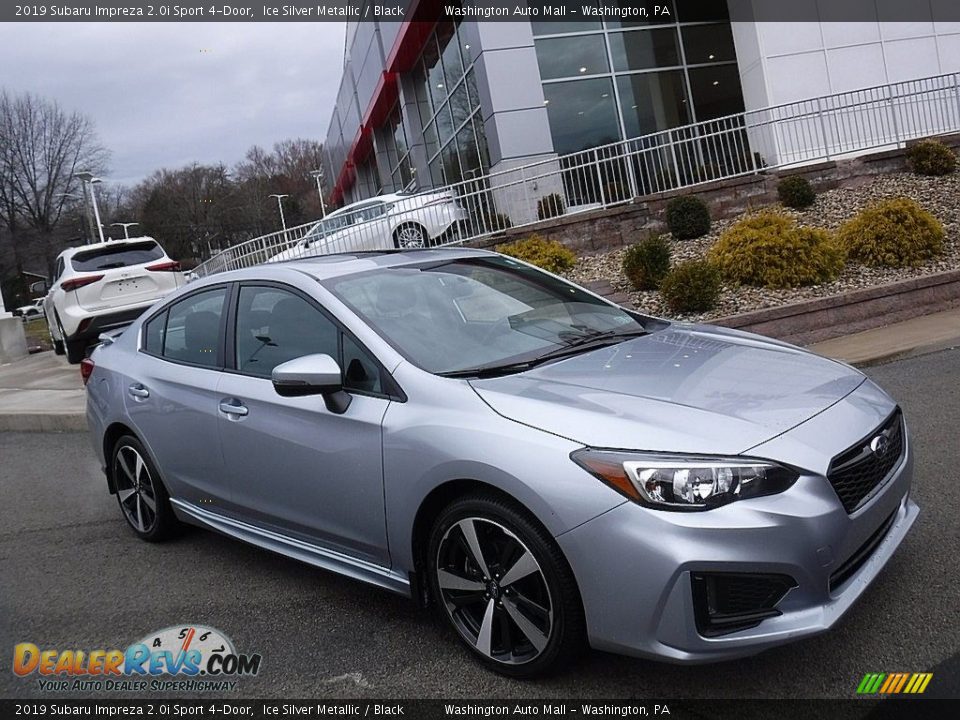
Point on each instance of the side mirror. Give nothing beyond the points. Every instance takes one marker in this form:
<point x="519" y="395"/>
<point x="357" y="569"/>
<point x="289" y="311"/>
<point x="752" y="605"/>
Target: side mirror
<point x="312" y="375"/>
<point x="38" y="287"/>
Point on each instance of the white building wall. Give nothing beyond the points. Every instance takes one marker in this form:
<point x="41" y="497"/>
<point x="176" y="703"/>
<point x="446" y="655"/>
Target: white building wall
<point x="788" y="62"/>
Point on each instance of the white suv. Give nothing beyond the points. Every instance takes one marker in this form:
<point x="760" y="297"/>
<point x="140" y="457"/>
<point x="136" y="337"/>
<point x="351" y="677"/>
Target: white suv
<point x="104" y="286"/>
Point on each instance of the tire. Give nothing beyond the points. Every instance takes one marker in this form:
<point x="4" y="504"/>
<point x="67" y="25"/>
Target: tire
<point x="58" y="347"/>
<point x="411" y="235"/>
<point x="138" y="485"/>
<point x="523" y="616"/>
<point x="76" y="351"/>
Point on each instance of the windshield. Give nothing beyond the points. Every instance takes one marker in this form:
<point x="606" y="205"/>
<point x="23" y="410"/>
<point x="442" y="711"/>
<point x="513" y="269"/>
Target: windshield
<point x="477" y="312"/>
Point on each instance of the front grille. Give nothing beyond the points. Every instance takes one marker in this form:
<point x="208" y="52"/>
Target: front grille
<point x="863" y="553"/>
<point x="854" y="473"/>
<point x="726" y="602"/>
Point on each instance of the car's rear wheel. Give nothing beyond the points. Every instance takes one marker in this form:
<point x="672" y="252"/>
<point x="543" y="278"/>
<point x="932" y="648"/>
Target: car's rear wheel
<point x="504" y="585"/>
<point x="140" y="492"/>
<point x="58" y="346"/>
<point x="410" y="235"/>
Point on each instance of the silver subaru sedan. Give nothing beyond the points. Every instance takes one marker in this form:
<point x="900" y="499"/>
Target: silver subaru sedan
<point x="546" y="469"/>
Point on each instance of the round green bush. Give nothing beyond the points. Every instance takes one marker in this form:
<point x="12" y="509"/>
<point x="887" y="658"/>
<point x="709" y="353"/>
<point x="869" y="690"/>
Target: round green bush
<point x="796" y="192"/>
<point x="692" y="287"/>
<point x="646" y="263"/>
<point x="892" y="233"/>
<point x="931" y="157"/>
<point x="688" y="217"/>
<point x="768" y="249"/>
<point x="551" y="255"/>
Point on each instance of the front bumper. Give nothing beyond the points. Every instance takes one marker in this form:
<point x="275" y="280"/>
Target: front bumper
<point x="635" y="565"/>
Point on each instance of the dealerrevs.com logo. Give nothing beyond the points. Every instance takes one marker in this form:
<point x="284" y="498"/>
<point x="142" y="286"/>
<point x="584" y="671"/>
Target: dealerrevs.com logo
<point x="188" y="657"/>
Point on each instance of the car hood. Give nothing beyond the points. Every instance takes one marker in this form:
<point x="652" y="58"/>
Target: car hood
<point x="689" y="389"/>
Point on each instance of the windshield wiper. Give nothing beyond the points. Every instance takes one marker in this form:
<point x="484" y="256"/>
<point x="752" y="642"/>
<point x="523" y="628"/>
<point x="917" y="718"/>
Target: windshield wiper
<point x="585" y="342"/>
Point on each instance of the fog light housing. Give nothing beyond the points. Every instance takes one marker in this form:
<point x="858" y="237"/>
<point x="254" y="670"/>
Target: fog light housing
<point x="725" y="603"/>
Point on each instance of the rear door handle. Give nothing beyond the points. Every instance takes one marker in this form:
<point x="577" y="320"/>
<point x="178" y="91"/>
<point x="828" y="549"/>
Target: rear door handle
<point x="228" y="408"/>
<point x="138" y="391"/>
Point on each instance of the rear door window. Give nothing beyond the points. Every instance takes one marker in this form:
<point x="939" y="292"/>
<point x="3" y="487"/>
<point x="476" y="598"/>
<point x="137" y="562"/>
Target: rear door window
<point x="116" y="256"/>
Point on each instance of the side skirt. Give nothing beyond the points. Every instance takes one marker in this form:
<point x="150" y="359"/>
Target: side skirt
<point x="296" y="549"/>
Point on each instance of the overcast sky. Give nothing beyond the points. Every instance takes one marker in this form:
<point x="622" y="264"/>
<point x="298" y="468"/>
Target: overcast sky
<point x="168" y="94"/>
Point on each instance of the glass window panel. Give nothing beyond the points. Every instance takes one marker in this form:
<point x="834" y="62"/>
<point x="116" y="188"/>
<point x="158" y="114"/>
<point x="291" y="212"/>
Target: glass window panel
<point x="482" y="143"/>
<point x="550" y="27"/>
<point x="468" y="50"/>
<point x="399" y="134"/>
<point x="702" y="10"/>
<point x="653" y="102"/>
<point x="450" y="51"/>
<point x="716" y="91"/>
<point x="644" y="49"/>
<point x="436" y="171"/>
<point x="422" y="90"/>
<point x="153" y="334"/>
<point x="572" y="56"/>
<point x="474" y="94"/>
<point x="444" y="124"/>
<point x="274" y="326"/>
<point x="193" y="329"/>
<point x="434" y="70"/>
<point x="451" y="162"/>
<point x="469" y="156"/>
<point x="460" y="105"/>
<point x="708" y="43"/>
<point x="582" y="114"/>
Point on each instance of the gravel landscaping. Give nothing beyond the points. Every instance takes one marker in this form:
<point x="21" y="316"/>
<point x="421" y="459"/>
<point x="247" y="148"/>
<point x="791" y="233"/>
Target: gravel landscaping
<point x="938" y="195"/>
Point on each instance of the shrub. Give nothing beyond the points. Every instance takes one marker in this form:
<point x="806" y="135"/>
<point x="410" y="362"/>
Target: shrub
<point x="688" y="217"/>
<point x="768" y="249"/>
<point x="691" y="287"/>
<point x="796" y="192"/>
<point x="550" y="255"/>
<point x="646" y="263"/>
<point x="550" y="206"/>
<point x="892" y="233"/>
<point x="931" y="157"/>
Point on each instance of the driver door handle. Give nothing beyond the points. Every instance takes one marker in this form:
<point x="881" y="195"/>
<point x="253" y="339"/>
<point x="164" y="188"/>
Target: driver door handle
<point x="233" y="408"/>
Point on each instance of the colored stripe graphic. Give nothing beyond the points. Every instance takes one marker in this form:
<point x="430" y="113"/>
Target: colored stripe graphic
<point x="894" y="683"/>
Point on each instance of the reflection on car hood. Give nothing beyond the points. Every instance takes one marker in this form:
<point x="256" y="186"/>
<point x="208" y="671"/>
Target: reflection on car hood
<point x="691" y="389"/>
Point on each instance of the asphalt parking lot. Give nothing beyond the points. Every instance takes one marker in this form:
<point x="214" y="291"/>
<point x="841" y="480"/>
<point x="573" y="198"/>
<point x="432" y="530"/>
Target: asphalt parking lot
<point x="73" y="576"/>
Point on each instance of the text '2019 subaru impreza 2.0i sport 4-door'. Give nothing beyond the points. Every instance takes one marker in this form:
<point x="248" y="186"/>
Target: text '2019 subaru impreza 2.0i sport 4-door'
<point x="544" y="468"/>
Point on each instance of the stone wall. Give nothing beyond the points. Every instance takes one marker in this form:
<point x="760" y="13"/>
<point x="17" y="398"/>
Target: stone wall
<point x="601" y="230"/>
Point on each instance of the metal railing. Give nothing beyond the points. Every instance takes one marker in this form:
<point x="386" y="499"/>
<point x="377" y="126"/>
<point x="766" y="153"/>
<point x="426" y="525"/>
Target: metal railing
<point x="776" y="137"/>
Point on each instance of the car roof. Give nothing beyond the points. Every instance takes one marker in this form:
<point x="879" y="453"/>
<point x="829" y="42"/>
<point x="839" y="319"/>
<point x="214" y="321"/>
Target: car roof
<point x="323" y="267"/>
<point x="386" y="197"/>
<point x="69" y="252"/>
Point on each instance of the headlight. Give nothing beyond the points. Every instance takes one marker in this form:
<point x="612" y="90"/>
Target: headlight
<point x="678" y="482"/>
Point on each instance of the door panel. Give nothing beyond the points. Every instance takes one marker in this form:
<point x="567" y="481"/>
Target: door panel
<point x="303" y="470"/>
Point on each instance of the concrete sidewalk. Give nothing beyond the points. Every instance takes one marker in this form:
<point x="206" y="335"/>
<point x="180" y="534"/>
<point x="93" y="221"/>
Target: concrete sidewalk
<point x="43" y="393"/>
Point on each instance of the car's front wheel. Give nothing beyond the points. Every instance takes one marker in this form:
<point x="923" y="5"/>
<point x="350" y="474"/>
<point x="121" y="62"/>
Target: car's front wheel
<point x="143" y="498"/>
<point x="505" y="586"/>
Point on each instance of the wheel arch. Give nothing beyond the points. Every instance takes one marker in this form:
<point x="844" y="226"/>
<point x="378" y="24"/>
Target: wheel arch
<point x="111" y="435"/>
<point x="431" y="505"/>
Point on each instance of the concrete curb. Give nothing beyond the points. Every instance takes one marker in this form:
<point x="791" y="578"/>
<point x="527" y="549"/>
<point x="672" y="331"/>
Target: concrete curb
<point x="43" y="422"/>
<point x="813" y="321"/>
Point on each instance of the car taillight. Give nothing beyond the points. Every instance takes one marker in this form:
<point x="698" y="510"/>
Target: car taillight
<point x="79" y="282"/>
<point x="172" y="266"/>
<point x="86" y="369"/>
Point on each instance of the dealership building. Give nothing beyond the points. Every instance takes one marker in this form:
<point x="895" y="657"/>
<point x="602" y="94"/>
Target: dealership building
<point x="424" y="104"/>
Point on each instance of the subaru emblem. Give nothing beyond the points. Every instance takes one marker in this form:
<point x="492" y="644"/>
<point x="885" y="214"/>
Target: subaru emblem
<point x="879" y="445"/>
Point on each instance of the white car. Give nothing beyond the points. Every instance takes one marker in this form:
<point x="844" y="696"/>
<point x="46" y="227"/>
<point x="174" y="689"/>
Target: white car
<point x="395" y="220"/>
<point x="103" y="286"/>
<point x="31" y="310"/>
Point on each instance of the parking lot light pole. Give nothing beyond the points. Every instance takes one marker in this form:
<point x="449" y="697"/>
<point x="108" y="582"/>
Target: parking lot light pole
<point x="125" y="226"/>
<point x="283" y="221"/>
<point x="88" y="178"/>
<point x="317" y="175"/>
